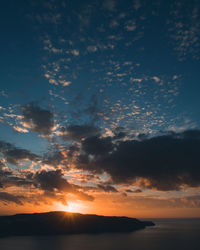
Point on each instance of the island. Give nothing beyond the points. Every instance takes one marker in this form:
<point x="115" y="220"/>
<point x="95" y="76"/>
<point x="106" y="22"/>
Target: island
<point x="57" y="223"/>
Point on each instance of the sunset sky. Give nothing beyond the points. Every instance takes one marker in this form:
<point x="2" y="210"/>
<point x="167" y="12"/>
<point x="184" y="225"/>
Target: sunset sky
<point x="100" y="107"/>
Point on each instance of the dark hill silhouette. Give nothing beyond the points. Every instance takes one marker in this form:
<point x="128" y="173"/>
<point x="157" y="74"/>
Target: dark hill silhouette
<point x="54" y="223"/>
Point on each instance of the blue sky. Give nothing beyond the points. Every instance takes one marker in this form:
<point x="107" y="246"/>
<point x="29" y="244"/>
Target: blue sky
<point x="130" y="66"/>
<point x="137" y="54"/>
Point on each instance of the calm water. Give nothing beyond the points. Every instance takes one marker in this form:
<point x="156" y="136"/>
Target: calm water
<point x="167" y="234"/>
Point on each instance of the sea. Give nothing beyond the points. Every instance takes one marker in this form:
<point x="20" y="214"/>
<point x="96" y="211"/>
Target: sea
<point x="168" y="234"/>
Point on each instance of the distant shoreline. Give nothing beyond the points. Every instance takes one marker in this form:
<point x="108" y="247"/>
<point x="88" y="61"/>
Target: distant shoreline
<point x="57" y="223"/>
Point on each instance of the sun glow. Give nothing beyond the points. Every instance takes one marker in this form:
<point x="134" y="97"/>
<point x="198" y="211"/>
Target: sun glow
<point x="73" y="207"/>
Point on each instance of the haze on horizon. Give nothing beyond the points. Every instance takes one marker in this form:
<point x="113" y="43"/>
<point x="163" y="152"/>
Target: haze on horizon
<point x="99" y="107"/>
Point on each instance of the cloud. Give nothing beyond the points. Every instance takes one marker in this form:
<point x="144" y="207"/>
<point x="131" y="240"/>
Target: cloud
<point x="7" y="198"/>
<point x="20" y="129"/>
<point x="131" y="26"/>
<point x="163" y="162"/>
<point x="97" y="146"/>
<point x="137" y="4"/>
<point x="9" y="179"/>
<point x="157" y="202"/>
<point x="36" y="199"/>
<point x="107" y="188"/>
<point x="64" y="83"/>
<point x="156" y="79"/>
<point x="51" y="183"/>
<point x="134" y="191"/>
<point x="109" y="5"/>
<point x="16" y="155"/>
<point x="55" y="158"/>
<point x="37" y="119"/>
<point x="75" y="52"/>
<point x="54" y="181"/>
<point x="78" y="132"/>
<point x="51" y="180"/>
<point x="50" y="186"/>
<point x="184" y="29"/>
<point x="92" y="48"/>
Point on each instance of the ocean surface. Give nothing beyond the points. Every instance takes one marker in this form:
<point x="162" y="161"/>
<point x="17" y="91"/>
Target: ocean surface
<point x="171" y="234"/>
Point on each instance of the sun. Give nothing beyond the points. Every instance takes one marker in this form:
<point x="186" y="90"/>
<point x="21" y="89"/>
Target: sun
<point x="72" y="207"/>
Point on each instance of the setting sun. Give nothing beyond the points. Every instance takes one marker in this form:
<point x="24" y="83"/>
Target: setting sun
<point x="72" y="207"/>
<point x="100" y="124"/>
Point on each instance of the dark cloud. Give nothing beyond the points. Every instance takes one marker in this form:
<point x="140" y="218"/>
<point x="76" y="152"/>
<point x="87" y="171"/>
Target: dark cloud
<point x="53" y="185"/>
<point x="36" y="199"/>
<point x="119" y="133"/>
<point x="71" y="150"/>
<point x="54" y="181"/>
<point x="16" y="155"/>
<point x="7" y="198"/>
<point x="2" y="163"/>
<point x="191" y="134"/>
<point x="85" y="108"/>
<point x="144" y="202"/>
<point x="134" y="191"/>
<point x="54" y="158"/>
<point x="97" y="146"/>
<point x="60" y="156"/>
<point x="107" y="188"/>
<point x="8" y="178"/>
<point x="50" y="180"/>
<point x="78" y="132"/>
<point x="109" y="5"/>
<point x="162" y="162"/>
<point x="142" y="136"/>
<point x="37" y="119"/>
<point x="14" y="181"/>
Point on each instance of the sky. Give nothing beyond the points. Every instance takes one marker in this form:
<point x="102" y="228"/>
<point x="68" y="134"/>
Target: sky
<point x="99" y="107"/>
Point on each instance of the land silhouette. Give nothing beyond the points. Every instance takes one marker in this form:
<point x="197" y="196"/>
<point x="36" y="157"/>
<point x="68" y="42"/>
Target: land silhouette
<point x="55" y="223"/>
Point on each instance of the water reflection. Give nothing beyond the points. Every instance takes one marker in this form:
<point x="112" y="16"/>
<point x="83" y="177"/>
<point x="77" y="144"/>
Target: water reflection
<point x="167" y="234"/>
